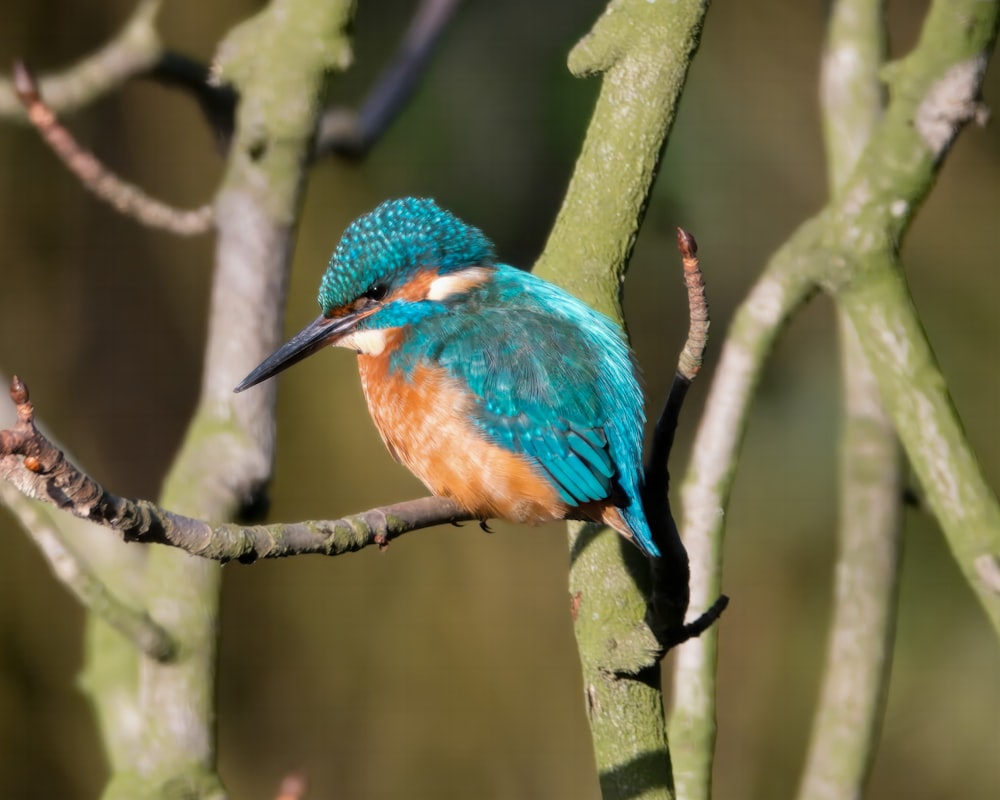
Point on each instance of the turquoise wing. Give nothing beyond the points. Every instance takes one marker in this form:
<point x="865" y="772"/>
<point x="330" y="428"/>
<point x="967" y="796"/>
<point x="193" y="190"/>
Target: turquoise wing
<point x="552" y="380"/>
<point x="537" y="392"/>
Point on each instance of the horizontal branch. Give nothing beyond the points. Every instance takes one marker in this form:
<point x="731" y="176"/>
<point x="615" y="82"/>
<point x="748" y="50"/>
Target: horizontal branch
<point x="40" y="470"/>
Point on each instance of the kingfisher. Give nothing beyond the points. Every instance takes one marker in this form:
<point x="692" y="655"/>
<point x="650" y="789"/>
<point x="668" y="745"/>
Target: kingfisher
<point x="497" y="389"/>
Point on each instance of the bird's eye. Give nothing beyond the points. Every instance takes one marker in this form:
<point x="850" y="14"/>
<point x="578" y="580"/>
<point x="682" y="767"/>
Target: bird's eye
<point x="377" y="292"/>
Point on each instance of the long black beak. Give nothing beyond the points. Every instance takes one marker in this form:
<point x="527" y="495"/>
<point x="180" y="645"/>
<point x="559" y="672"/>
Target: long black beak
<point x="315" y="336"/>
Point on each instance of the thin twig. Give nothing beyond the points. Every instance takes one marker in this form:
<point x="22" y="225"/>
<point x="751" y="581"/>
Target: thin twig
<point x="352" y="133"/>
<point x="693" y="353"/>
<point x="95" y="177"/>
<point x="848" y="716"/>
<point x="688" y="364"/>
<point x="670" y="573"/>
<point x="40" y="470"/>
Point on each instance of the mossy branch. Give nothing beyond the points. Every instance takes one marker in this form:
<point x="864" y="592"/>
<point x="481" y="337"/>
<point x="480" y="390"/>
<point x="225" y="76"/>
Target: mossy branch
<point x="40" y="471"/>
<point x="132" y="52"/>
<point x="277" y="61"/>
<point x="849" y="249"/>
<point x="642" y="51"/>
<point x="853" y="693"/>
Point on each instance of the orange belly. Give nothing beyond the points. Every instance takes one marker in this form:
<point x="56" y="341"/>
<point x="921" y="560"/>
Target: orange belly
<point x="424" y="421"/>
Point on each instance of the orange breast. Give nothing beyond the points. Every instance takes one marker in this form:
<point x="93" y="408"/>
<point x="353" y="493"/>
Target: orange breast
<point x="424" y="420"/>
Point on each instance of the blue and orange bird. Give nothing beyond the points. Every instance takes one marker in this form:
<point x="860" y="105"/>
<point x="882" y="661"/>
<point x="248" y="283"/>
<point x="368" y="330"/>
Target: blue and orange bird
<point x="497" y="389"/>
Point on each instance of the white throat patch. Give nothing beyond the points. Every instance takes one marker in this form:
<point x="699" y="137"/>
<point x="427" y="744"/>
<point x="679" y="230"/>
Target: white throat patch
<point x="371" y="343"/>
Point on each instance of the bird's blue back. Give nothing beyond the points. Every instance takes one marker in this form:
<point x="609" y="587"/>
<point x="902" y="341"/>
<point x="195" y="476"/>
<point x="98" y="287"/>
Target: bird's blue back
<point x="552" y="379"/>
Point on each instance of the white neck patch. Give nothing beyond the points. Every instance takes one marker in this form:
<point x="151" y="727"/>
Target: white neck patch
<point x="457" y="282"/>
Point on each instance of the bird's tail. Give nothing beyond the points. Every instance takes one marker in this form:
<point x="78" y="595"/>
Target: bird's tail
<point x="631" y="523"/>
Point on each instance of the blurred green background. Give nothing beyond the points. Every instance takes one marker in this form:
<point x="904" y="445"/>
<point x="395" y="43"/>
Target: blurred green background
<point x="446" y="667"/>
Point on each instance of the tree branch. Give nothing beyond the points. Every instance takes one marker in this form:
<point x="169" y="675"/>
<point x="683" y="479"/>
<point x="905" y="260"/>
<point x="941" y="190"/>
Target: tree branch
<point x="670" y="573"/>
<point x="778" y="293"/>
<point x="40" y="471"/>
<point x="218" y="101"/>
<point x="848" y="249"/>
<point x="344" y="131"/>
<point x="848" y="717"/>
<point x="278" y="60"/>
<point x="74" y="572"/>
<point x="353" y="133"/>
<point x="642" y="51"/>
<point x="133" y="51"/>
<point x="124" y="197"/>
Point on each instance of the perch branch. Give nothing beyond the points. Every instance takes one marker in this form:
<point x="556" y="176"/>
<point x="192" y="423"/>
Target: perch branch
<point x="124" y="197"/>
<point x="41" y="471"/>
<point x="133" y="51"/>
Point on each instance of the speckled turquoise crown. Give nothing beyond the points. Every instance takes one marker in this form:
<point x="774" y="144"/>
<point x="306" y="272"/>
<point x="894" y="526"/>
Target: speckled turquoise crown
<point x="390" y="243"/>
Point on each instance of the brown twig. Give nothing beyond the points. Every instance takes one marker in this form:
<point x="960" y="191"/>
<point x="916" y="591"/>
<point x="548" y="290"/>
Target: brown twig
<point x="41" y="471"/>
<point x="689" y="362"/>
<point x="95" y="177"/>
<point x="670" y="573"/>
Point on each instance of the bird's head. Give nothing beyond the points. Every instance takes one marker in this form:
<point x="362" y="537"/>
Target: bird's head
<point x="393" y="267"/>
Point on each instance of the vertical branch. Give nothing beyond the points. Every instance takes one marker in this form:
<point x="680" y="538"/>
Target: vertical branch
<point x="935" y="93"/>
<point x="785" y="285"/>
<point x="859" y="652"/>
<point x="277" y="61"/>
<point x="643" y="51"/>
<point x="849" y="248"/>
